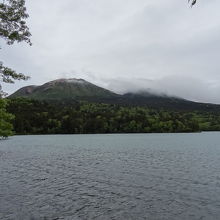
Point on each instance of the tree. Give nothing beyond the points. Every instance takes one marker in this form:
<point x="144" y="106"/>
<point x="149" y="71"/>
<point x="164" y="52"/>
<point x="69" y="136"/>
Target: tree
<point x="13" y="28"/>
<point x="5" y="120"/>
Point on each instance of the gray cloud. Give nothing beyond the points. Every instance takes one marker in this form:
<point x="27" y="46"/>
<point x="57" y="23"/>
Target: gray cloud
<point x="123" y="45"/>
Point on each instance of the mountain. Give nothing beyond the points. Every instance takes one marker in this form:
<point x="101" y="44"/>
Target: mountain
<point x="167" y="102"/>
<point x="76" y="90"/>
<point x="64" y="89"/>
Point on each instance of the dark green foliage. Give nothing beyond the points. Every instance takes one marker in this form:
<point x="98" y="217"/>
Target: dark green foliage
<point x="40" y="117"/>
<point x="13" y="28"/>
<point x="7" y="75"/>
<point x="12" y="19"/>
<point x="5" y="120"/>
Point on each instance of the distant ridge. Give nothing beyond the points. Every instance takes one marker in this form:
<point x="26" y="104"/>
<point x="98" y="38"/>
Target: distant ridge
<point x="76" y="90"/>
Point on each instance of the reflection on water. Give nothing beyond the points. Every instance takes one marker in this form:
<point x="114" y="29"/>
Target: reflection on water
<point x="138" y="176"/>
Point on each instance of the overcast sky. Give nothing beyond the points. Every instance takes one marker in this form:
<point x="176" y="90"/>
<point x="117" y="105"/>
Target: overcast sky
<point x="123" y="45"/>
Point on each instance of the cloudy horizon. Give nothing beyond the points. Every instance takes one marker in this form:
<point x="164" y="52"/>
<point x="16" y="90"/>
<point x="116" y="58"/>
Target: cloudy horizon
<point x="123" y="45"/>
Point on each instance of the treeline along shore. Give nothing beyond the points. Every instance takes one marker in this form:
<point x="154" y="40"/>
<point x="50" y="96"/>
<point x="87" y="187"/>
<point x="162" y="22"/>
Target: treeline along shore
<point x="42" y="117"/>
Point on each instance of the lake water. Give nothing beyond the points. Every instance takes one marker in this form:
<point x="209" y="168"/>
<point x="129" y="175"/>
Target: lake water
<point x="125" y="176"/>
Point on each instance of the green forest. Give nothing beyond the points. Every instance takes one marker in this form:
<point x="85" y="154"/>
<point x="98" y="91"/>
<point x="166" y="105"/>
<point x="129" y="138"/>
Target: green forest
<point x="6" y="118"/>
<point x="41" y="117"/>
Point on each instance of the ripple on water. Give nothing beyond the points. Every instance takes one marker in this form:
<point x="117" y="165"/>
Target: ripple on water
<point x="110" y="177"/>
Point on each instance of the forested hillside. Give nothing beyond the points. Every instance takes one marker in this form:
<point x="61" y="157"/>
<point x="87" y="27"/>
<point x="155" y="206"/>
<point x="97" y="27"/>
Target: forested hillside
<point x="41" y="117"/>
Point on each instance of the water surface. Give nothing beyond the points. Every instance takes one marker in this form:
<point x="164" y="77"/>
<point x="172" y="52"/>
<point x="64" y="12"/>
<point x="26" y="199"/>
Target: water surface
<point x="127" y="176"/>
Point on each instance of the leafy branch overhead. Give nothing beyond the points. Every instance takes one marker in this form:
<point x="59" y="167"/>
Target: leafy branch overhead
<point x="13" y="28"/>
<point x="7" y="74"/>
<point x="12" y="21"/>
<point x="192" y="2"/>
